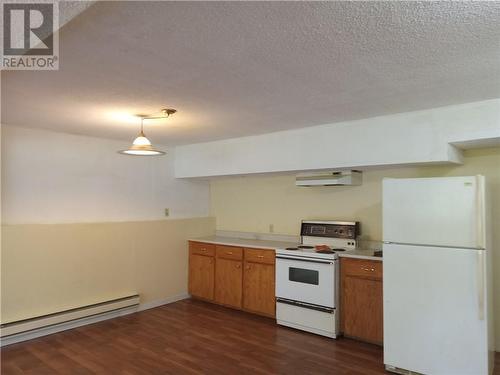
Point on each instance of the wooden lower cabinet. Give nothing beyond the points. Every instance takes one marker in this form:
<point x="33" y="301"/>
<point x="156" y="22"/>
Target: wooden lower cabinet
<point x="201" y="276"/>
<point x="258" y="288"/>
<point x="228" y="276"/>
<point x="233" y="276"/>
<point x="361" y="299"/>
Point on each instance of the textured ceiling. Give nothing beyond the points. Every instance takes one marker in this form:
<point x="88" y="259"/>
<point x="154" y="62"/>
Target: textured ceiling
<point x="241" y="68"/>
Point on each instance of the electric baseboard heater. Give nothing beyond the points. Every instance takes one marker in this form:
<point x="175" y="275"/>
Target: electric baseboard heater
<point x="27" y="325"/>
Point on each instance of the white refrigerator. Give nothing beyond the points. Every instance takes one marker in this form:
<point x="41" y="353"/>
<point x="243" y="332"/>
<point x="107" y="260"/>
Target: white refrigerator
<point x="438" y="315"/>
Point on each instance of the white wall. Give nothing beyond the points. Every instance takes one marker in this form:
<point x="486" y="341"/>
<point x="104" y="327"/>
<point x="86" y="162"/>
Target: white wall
<point x="407" y="138"/>
<point x="50" y="177"/>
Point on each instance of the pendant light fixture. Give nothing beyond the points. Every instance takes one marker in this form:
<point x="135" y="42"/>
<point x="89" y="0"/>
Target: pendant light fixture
<point x="141" y="145"/>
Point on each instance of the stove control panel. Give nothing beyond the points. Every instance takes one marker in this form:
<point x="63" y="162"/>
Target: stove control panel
<point x="331" y="229"/>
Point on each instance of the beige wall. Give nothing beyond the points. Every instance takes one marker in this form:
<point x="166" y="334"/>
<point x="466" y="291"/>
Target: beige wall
<point x="53" y="267"/>
<point x="253" y="203"/>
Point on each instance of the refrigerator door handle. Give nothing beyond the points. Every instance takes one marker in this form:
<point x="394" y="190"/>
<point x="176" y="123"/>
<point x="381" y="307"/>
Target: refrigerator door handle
<point x="480" y="212"/>
<point x="480" y="283"/>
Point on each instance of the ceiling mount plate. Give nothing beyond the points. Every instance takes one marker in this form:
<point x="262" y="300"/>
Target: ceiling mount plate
<point x="168" y="111"/>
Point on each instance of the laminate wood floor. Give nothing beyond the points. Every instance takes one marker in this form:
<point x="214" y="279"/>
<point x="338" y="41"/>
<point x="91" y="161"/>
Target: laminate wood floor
<point x="190" y="337"/>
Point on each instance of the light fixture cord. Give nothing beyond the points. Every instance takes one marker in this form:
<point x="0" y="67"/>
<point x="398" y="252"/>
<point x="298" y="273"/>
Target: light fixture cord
<point x="142" y="126"/>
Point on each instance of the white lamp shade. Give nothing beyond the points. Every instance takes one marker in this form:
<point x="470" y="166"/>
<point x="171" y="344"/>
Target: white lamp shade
<point x="142" y="147"/>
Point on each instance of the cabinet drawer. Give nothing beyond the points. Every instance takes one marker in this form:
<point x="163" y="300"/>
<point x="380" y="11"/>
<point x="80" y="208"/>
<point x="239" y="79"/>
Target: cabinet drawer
<point x="259" y="256"/>
<point x="362" y="268"/>
<point x="202" y="248"/>
<point x="229" y="252"/>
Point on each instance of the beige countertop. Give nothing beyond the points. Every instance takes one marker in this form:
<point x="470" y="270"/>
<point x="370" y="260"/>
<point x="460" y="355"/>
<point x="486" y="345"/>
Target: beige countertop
<point x="269" y="244"/>
<point x="243" y="242"/>
<point x="360" y="254"/>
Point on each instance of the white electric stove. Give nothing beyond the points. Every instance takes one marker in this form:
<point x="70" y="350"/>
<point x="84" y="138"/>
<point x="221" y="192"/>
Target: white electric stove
<point x="307" y="280"/>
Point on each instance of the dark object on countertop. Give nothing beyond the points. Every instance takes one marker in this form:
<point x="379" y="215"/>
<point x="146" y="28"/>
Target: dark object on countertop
<point x="292" y="248"/>
<point x="322" y="247"/>
<point x="377" y="253"/>
<point x="305" y="247"/>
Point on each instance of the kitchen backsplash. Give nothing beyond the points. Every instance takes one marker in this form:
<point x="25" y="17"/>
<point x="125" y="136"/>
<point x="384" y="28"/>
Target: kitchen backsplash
<point x="257" y="236"/>
<point x="362" y="243"/>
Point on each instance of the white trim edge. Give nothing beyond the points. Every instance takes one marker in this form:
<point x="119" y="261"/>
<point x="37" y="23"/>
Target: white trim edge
<point x="44" y="331"/>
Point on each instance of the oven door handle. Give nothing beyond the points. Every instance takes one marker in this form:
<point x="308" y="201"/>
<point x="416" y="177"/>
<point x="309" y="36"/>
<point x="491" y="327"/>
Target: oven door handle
<point x="304" y="260"/>
<point x="305" y="305"/>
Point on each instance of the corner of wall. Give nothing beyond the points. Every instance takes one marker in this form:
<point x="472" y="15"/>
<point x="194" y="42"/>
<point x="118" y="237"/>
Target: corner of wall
<point x="455" y="155"/>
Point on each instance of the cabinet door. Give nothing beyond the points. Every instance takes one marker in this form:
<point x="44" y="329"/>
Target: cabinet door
<point x="201" y="276"/>
<point x="258" y="288"/>
<point x="362" y="308"/>
<point x="228" y="280"/>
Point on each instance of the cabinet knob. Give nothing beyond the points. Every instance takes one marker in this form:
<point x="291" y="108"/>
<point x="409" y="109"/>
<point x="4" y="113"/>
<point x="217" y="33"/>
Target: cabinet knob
<point x="247" y="267"/>
<point x="203" y="249"/>
<point x="368" y="269"/>
<point x="260" y="256"/>
<point x="238" y="266"/>
<point x="229" y="252"/>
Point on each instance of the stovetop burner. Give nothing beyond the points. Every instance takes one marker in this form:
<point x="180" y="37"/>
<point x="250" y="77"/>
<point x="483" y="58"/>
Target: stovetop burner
<point x="292" y="248"/>
<point x="338" y="249"/>
<point x="305" y="247"/>
<point x="325" y="251"/>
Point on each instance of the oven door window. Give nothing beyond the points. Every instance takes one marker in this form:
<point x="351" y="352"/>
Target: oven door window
<point x="302" y="275"/>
